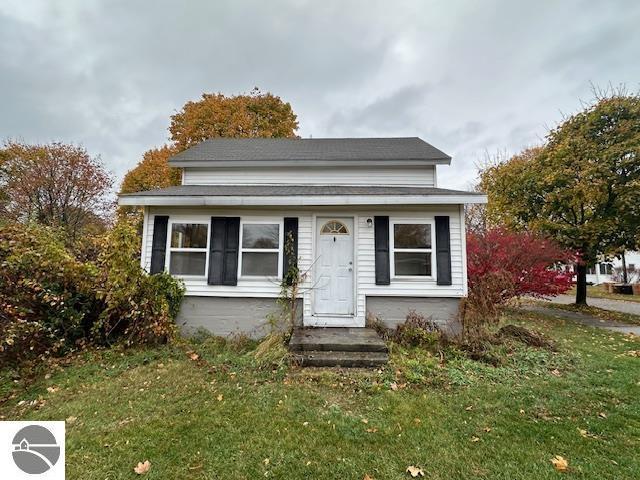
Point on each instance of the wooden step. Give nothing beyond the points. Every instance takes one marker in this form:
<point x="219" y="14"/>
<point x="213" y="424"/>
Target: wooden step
<point x="341" y="359"/>
<point x="336" y="339"/>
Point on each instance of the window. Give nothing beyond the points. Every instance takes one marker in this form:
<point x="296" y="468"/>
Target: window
<point x="334" y="227"/>
<point x="260" y="247"/>
<point x="606" y="268"/>
<point x="591" y="270"/>
<point x="188" y="248"/>
<point x="412" y="249"/>
<point x="631" y="267"/>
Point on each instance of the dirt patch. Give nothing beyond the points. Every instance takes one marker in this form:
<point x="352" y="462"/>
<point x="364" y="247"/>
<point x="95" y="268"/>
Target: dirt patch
<point x="528" y="337"/>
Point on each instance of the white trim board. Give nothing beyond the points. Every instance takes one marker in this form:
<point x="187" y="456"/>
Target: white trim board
<point x="296" y="201"/>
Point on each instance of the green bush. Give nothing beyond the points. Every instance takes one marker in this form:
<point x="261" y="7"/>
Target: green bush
<point x="139" y="308"/>
<point x="47" y="299"/>
<point x="51" y="302"/>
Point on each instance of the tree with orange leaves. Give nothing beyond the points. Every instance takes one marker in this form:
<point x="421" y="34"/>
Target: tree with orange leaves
<point x="255" y="114"/>
<point x="54" y="184"/>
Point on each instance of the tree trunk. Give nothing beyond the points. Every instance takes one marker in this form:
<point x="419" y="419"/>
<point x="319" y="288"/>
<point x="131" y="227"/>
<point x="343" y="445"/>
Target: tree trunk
<point x="581" y="284"/>
<point x="625" y="277"/>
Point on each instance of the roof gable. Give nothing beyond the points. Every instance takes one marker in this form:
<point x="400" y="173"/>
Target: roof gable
<point x="223" y="152"/>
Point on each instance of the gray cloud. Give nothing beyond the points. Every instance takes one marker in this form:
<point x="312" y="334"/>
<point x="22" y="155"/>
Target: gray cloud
<point x="469" y="77"/>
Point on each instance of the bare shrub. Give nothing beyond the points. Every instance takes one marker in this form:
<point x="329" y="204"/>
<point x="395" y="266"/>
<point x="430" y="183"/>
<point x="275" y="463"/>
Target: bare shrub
<point x="483" y="304"/>
<point x="416" y="331"/>
<point x="378" y="325"/>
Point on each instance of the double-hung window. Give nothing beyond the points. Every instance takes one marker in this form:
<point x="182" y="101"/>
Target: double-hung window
<point x="188" y="249"/>
<point x="260" y="249"/>
<point x="412" y="249"/>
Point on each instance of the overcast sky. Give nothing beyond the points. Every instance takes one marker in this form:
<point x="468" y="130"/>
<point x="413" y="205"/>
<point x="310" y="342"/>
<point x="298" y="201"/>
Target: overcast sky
<point x="470" y="77"/>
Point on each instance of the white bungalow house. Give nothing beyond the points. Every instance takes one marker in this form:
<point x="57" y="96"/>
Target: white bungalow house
<point x="604" y="271"/>
<point x="372" y="229"/>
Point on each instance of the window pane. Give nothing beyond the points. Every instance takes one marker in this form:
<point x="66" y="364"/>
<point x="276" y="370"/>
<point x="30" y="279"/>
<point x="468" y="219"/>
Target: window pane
<point x="260" y="264"/>
<point x="412" y="263"/>
<point x="187" y="263"/>
<point x="260" y="236"/>
<point x="412" y="236"/>
<point x="189" y="235"/>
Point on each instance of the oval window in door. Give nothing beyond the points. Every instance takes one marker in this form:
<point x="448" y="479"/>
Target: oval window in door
<point x="334" y="227"/>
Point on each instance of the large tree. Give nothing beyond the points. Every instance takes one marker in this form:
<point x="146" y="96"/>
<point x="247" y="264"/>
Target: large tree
<point x="152" y="172"/>
<point x="53" y="184"/>
<point x="581" y="187"/>
<point x="256" y="114"/>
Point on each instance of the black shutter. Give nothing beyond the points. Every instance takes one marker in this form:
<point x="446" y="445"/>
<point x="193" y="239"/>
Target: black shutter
<point x="223" y="251"/>
<point x="381" y="236"/>
<point x="231" y="250"/>
<point x="159" y="243"/>
<point x="216" y="250"/>
<point x="443" y="251"/>
<point x="290" y="260"/>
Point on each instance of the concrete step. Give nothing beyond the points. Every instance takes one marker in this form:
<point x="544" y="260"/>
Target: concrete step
<point x="336" y="339"/>
<point x="341" y="359"/>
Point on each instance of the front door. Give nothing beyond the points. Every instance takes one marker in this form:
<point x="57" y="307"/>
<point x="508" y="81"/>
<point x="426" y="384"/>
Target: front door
<point x="333" y="291"/>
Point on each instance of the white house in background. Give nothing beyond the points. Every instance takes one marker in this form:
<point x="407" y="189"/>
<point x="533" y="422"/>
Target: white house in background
<point x="371" y="227"/>
<point x="603" y="271"/>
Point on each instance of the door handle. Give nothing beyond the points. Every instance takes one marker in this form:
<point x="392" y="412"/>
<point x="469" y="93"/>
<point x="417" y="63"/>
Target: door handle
<point x="350" y="269"/>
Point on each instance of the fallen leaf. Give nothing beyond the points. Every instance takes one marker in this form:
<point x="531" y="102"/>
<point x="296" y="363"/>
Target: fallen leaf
<point x="475" y="439"/>
<point x="469" y="408"/>
<point x="220" y="397"/>
<point x="364" y="420"/>
<point x="521" y="411"/>
<point x="304" y="424"/>
<point x="394" y="386"/>
<point x="367" y="477"/>
<point x="487" y="429"/>
<point x="414" y="471"/>
<point x="560" y="463"/>
<point x="72" y="419"/>
<point x="194" y="356"/>
<point x="555" y="372"/>
<point x="602" y="415"/>
<point x="586" y="434"/>
<point x="372" y="430"/>
<point x="52" y="389"/>
<point x="265" y="461"/>
<point x="417" y="421"/>
<point x="142" y="468"/>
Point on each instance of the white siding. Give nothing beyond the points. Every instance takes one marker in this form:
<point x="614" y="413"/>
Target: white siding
<point x="423" y="176"/>
<point x="246" y="287"/>
<point x="364" y="254"/>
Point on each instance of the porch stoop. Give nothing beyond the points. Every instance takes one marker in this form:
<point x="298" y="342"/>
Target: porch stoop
<point x="336" y="346"/>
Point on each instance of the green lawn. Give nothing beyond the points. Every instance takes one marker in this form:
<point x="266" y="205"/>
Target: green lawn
<point x="220" y="417"/>
<point x="598" y="291"/>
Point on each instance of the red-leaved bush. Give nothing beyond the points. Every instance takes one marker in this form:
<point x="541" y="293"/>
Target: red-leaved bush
<point x="527" y="259"/>
<point x="502" y="265"/>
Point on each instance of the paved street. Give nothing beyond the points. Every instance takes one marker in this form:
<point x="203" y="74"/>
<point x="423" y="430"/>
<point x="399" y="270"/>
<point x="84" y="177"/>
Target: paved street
<point x="604" y="303"/>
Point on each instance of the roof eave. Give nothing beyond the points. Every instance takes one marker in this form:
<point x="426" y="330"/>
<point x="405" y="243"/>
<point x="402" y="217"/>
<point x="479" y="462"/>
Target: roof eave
<point x="297" y="200"/>
<point x="307" y="163"/>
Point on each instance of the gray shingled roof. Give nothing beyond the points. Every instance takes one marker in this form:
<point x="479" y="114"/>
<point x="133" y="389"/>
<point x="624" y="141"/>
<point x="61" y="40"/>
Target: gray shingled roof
<point x="289" y="190"/>
<point x="252" y="150"/>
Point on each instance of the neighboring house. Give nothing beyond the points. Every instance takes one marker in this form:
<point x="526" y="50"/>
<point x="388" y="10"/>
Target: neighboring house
<point x="371" y="227"/>
<point x="608" y="271"/>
